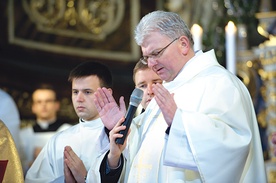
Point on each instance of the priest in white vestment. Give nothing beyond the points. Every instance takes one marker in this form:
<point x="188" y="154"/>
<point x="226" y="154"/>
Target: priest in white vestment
<point x="201" y="125"/>
<point x="69" y="156"/>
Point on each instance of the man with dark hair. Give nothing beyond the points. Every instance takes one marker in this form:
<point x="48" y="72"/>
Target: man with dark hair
<point x="70" y="154"/>
<point x="45" y="107"/>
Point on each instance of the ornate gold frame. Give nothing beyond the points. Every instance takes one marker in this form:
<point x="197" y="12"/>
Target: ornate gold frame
<point x="117" y="44"/>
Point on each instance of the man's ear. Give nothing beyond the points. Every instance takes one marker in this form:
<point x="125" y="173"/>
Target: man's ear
<point x="110" y="90"/>
<point x="185" y="45"/>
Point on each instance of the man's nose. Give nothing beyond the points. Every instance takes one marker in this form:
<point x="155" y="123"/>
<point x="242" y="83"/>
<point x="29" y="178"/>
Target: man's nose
<point x="149" y="88"/>
<point x="152" y="62"/>
<point x="80" y="97"/>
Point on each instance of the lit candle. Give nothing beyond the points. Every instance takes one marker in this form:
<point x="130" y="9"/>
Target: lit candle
<point x="230" y="41"/>
<point x="197" y="31"/>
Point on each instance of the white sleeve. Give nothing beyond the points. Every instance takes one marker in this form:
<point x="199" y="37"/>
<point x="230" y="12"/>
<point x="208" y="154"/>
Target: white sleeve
<point x="177" y="141"/>
<point x="211" y="135"/>
<point x="42" y="170"/>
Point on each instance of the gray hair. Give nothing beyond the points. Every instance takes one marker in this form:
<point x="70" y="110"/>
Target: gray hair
<point x="166" y="23"/>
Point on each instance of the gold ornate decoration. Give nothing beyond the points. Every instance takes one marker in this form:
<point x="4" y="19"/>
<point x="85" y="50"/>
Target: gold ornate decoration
<point x="88" y="28"/>
<point x="92" y="19"/>
<point x="247" y="69"/>
<point x="267" y="56"/>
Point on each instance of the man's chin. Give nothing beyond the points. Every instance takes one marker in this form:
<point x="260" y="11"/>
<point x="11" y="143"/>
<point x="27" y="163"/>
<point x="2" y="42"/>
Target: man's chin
<point x="81" y="115"/>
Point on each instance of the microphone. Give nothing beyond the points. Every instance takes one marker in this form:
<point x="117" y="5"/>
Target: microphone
<point x="135" y="100"/>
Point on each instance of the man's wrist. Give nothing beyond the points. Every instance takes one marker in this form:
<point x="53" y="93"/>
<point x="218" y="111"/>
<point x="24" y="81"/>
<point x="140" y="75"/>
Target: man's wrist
<point x="110" y="170"/>
<point x="113" y="161"/>
<point x="112" y="167"/>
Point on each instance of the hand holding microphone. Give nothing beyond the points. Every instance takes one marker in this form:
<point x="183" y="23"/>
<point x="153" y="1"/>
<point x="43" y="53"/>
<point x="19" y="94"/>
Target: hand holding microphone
<point x="135" y="100"/>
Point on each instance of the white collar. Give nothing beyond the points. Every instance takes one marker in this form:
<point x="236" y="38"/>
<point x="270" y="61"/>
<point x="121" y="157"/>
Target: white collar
<point x="91" y="123"/>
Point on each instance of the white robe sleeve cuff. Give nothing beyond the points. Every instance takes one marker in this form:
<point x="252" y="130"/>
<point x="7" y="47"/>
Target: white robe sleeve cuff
<point x="177" y="149"/>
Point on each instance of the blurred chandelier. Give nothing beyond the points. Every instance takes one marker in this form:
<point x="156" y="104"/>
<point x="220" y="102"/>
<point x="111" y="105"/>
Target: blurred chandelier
<point x="87" y="19"/>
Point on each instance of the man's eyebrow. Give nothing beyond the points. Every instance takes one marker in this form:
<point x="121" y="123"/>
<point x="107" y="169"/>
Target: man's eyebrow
<point x="142" y="82"/>
<point x="88" y="89"/>
<point x="157" y="80"/>
<point x="155" y="51"/>
<point x="85" y="89"/>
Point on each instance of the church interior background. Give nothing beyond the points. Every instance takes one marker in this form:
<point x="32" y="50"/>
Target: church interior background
<point x="41" y="41"/>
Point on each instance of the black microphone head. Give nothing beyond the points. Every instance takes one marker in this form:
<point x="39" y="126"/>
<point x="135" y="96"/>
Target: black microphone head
<point x="136" y="97"/>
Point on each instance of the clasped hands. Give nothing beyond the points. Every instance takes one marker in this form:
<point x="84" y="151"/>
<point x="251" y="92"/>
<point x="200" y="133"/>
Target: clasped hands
<point x="74" y="169"/>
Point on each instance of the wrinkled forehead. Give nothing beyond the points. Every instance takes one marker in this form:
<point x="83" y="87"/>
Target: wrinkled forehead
<point x="153" y="41"/>
<point x="151" y="36"/>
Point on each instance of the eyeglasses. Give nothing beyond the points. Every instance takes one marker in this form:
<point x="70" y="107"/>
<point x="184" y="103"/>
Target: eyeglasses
<point x="153" y="55"/>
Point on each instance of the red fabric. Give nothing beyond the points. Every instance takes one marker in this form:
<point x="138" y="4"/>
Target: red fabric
<point x="3" y="166"/>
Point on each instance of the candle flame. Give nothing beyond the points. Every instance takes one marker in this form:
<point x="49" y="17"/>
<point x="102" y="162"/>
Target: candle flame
<point x="230" y="26"/>
<point x="196" y="29"/>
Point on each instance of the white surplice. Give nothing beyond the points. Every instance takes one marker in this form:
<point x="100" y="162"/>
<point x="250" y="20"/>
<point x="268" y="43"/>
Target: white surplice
<point x="214" y="135"/>
<point x="87" y="139"/>
<point x="31" y="140"/>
